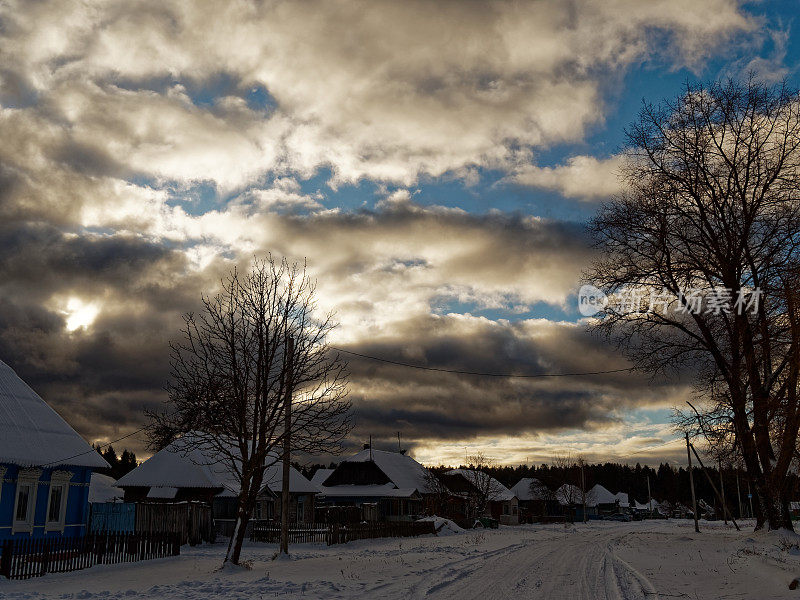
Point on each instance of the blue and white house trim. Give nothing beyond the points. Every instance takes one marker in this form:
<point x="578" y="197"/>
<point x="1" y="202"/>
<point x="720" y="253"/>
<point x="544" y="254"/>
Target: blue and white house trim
<point x="45" y="467"/>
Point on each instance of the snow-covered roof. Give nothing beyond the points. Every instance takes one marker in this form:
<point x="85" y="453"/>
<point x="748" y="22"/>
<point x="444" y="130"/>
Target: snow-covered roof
<point x="186" y="463"/>
<point x="600" y="495"/>
<point x="162" y="493"/>
<point x="498" y="492"/>
<point x="386" y="490"/>
<point x="623" y="499"/>
<point x="102" y="488"/>
<point x="523" y="489"/>
<point x="320" y="475"/>
<point x="402" y="470"/>
<point x="33" y="434"/>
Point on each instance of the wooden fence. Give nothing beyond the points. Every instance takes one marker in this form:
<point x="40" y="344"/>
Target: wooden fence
<point x="340" y="534"/>
<point x="23" y="559"/>
<point x="299" y="533"/>
<point x="192" y="520"/>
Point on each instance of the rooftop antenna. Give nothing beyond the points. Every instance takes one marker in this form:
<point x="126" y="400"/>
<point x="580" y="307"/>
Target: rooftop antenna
<point x="399" y="447"/>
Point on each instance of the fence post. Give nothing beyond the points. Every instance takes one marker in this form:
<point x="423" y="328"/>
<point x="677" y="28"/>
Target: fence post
<point x="45" y="558"/>
<point x="5" y="558"/>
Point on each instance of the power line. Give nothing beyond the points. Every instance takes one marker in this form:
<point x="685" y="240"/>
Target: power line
<point x="667" y="443"/>
<point x="392" y="362"/>
<point x="64" y="460"/>
<point x="479" y="373"/>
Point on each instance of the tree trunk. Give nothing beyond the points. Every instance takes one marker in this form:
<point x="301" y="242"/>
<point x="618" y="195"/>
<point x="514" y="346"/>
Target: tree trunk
<point x="247" y="500"/>
<point x="237" y="539"/>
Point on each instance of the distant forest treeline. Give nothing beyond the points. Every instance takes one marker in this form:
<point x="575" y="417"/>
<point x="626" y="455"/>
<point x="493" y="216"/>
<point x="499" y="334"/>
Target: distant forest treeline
<point x="120" y="465"/>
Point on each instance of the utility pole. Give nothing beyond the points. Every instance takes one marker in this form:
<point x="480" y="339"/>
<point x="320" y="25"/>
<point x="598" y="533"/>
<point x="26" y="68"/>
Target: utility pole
<point x="713" y="487"/>
<point x="287" y="446"/>
<point x="649" y="496"/>
<point x="750" y="498"/>
<point x="583" y="492"/>
<point x="722" y="493"/>
<point x="691" y="485"/>
<point x="738" y="493"/>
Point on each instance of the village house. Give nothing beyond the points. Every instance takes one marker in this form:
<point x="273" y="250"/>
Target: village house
<point x="45" y="466"/>
<point x="501" y="503"/>
<point x="386" y="486"/>
<point x="535" y="499"/>
<point x="185" y="471"/>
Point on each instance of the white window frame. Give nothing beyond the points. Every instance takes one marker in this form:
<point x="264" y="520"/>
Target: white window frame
<point x="26" y="478"/>
<point x="300" y="509"/>
<point x="3" y="471"/>
<point x="58" y="479"/>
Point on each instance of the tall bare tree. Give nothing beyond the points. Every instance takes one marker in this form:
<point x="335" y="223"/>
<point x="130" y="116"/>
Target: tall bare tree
<point x="699" y="257"/>
<point x="484" y="487"/>
<point x="231" y="379"/>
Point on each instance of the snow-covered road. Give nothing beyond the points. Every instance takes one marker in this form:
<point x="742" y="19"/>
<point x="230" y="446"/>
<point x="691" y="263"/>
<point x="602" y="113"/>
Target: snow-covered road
<point x="595" y="561"/>
<point x="556" y="566"/>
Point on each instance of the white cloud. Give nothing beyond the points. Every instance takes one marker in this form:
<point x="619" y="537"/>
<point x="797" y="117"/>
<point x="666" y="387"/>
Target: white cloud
<point x="583" y="177"/>
<point x="382" y="90"/>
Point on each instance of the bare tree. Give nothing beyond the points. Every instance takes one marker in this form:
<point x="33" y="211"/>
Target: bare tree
<point x="539" y="491"/>
<point x="700" y="261"/>
<point x="231" y="379"/>
<point x="438" y="496"/>
<point x="484" y="487"/>
<point x="568" y="478"/>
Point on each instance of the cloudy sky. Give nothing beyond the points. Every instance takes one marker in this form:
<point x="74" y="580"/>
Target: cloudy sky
<point x="436" y="162"/>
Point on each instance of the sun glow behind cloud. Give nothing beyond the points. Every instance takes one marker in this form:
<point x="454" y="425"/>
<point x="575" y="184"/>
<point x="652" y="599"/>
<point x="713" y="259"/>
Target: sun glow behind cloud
<point x="79" y="314"/>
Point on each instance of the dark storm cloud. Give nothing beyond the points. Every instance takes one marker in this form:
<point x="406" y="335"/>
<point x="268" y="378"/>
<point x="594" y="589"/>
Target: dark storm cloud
<point x="110" y="112"/>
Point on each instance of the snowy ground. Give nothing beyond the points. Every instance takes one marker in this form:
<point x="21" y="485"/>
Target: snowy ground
<point x="656" y="559"/>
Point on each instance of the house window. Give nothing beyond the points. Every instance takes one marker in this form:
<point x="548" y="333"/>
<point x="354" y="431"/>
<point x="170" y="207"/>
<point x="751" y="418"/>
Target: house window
<point x="56" y="507"/>
<point x="57" y="500"/>
<point x="24" y="505"/>
<point x="300" y="509"/>
<point x="23" y="502"/>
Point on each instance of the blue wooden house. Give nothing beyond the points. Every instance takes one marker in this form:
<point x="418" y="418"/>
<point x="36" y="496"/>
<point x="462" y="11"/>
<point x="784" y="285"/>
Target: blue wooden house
<point x="45" y="466"/>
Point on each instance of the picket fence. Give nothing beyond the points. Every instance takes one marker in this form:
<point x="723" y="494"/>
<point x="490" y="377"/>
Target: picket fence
<point x="23" y="559"/>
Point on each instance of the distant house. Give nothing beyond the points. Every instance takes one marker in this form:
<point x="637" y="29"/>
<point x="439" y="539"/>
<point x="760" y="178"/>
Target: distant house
<point x="191" y="471"/>
<point x="502" y="504"/>
<point x="535" y="499"/>
<point x="45" y="466"/>
<point x="572" y="499"/>
<point x="386" y="486"/>
<point x="607" y="503"/>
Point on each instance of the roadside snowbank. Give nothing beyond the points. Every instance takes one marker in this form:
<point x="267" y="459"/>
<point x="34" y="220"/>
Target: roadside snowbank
<point x="444" y="526"/>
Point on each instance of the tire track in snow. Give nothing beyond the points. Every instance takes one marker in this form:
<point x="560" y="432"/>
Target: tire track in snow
<point x="578" y="566"/>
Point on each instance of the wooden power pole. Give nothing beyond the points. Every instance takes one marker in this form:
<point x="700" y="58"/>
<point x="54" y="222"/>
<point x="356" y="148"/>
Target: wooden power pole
<point x="287" y="446"/>
<point x="583" y="493"/>
<point x="691" y="485"/>
<point x="722" y="493"/>
<point x="739" y="493"/>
